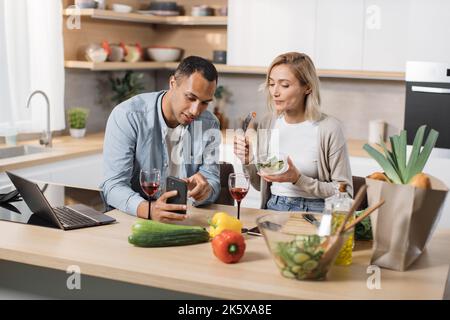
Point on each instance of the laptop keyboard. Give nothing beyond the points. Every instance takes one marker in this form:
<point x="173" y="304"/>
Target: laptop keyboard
<point x="71" y="218"/>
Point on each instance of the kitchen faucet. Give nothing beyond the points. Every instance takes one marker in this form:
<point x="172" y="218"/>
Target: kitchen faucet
<point x="46" y="137"/>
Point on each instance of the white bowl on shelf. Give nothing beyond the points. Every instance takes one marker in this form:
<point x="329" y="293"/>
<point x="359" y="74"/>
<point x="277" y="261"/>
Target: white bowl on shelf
<point x="122" y="8"/>
<point x="86" y="4"/>
<point x="164" y="54"/>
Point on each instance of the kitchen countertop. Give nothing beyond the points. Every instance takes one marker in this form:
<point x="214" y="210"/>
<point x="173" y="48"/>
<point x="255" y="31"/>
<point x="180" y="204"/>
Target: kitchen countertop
<point x="66" y="147"/>
<point x="194" y="269"/>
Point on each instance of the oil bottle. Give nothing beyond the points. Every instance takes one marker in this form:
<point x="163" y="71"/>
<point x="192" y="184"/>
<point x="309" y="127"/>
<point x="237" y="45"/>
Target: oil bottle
<point x="340" y="205"/>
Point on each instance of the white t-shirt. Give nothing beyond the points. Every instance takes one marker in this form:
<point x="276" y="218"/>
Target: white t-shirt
<point x="174" y="142"/>
<point x="300" y="142"/>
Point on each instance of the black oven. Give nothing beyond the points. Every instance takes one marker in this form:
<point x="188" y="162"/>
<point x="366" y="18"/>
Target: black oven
<point x="428" y="99"/>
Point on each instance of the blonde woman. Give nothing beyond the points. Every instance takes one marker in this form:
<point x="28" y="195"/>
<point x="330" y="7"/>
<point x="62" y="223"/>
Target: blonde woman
<point x="318" y="157"/>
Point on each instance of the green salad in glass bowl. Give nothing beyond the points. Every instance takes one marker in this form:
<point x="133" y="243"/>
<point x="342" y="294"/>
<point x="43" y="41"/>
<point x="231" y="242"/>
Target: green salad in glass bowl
<point x="300" y="243"/>
<point x="272" y="164"/>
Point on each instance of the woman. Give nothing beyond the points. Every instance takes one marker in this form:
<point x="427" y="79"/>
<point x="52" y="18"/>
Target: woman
<point x="318" y="157"/>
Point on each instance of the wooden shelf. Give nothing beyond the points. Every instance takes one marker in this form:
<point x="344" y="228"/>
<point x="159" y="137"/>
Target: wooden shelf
<point x="112" y="66"/>
<point x="361" y="74"/>
<point x="150" y="65"/>
<point x="222" y="68"/>
<point x="142" y="18"/>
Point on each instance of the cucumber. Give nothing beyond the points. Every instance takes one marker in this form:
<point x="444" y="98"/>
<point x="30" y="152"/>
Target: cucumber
<point x="154" y="226"/>
<point x="310" y="265"/>
<point x="301" y="257"/>
<point x="156" y="234"/>
<point x="296" y="269"/>
<point x="284" y="255"/>
<point x="288" y="274"/>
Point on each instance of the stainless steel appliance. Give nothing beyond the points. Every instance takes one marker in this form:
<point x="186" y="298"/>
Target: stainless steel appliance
<point x="428" y="101"/>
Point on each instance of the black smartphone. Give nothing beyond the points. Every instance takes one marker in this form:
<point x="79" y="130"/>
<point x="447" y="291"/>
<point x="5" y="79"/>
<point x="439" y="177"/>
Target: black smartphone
<point x="254" y="232"/>
<point x="173" y="183"/>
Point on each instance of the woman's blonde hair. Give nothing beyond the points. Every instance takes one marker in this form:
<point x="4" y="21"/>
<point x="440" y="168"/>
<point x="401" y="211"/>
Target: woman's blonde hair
<point x="303" y="69"/>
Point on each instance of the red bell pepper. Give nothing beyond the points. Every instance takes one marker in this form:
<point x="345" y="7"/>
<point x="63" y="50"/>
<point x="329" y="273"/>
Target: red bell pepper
<point x="228" y="246"/>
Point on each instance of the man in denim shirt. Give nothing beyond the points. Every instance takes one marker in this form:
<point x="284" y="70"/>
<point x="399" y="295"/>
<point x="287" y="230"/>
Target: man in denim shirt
<point x="168" y="130"/>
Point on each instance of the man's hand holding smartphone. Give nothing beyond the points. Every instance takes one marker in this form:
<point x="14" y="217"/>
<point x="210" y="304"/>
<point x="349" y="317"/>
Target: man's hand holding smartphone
<point x="161" y="210"/>
<point x="171" y="205"/>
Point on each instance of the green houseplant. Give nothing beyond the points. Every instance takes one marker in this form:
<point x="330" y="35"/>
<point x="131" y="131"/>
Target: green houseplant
<point x="221" y="96"/>
<point x="126" y="87"/>
<point x="77" y="121"/>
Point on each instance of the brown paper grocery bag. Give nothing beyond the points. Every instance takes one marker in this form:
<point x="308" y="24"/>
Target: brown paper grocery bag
<point x="405" y="223"/>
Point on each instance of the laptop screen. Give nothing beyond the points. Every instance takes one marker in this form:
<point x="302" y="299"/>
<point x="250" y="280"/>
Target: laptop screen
<point x="56" y="195"/>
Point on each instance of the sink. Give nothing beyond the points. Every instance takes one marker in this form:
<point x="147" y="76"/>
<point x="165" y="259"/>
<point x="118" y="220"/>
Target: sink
<point x="11" y="152"/>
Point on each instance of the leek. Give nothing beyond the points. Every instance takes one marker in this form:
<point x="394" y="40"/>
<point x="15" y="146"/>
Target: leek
<point x="388" y="168"/>
<point x="394" y="163"/>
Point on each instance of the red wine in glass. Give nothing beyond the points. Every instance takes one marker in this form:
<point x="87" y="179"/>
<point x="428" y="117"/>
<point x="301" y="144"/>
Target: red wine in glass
<point x="149" y="180"/>
<point x="150" y="188"/>
<point x="238" y="185"/>
<point x="238" y="193"/>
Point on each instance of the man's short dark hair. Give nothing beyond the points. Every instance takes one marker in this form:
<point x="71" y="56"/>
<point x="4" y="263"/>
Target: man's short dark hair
<point x="192" y="64"/>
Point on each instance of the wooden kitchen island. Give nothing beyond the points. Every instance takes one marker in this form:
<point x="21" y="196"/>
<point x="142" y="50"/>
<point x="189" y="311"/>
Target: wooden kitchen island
<point x="103" y="254"/>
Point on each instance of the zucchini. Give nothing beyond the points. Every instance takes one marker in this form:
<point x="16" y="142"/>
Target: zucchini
<point x="150" y="225"/>
<point x="148" y="233"/>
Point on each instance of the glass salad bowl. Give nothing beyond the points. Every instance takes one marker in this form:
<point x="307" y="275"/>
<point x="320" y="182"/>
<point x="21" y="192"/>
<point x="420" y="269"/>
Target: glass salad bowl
<point x="300" y="243"/>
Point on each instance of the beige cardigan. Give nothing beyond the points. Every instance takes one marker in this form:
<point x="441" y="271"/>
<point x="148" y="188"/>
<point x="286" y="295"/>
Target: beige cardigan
<point x="333" y="162"/>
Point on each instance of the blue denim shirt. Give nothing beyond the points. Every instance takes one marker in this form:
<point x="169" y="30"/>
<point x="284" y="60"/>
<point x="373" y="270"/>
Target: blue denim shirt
<point x="135" y="139"/>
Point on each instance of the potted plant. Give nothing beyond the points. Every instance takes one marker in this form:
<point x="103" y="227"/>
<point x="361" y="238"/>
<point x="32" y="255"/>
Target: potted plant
<point x="126" y="87"/>
<point x="221" y="96"/>
<point x="77" y="121"/>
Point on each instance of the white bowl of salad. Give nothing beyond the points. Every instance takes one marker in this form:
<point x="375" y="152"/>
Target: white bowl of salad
<point x="272" y="164"/>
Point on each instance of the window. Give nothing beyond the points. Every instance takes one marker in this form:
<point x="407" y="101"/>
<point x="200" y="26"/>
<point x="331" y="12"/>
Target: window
<point x="31" y="58"/>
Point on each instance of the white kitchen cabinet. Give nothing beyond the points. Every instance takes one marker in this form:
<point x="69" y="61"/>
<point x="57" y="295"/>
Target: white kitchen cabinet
<point x="385" y="35"/>
<point x="429" y="31"/>
<point x="439" y="168"/>
<point x="339" y="34"/>
<point x="41" y="173"/>
<point x="260" y="30"/>
<point x="362" y="167"/>
<point x="370" y="35"/>
<point x="85" y="172"/>
<point x="405" y="30"/>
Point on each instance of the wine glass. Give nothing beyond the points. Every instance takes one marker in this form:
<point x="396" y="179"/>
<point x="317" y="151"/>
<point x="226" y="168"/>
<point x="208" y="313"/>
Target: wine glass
<point x="150" y="180"/>
<point x="238" y="184"/>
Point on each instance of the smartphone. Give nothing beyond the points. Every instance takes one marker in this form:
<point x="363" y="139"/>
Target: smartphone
<point x="254" y="232"/>
<point x="173" y="183"/>
<point x="266" y="224"/>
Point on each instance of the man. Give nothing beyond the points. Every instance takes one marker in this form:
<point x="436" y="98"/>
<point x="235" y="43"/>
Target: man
<point x="158" y="130"/>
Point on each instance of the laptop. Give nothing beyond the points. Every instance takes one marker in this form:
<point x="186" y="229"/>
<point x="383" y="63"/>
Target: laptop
<point x="66" y="217"/>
